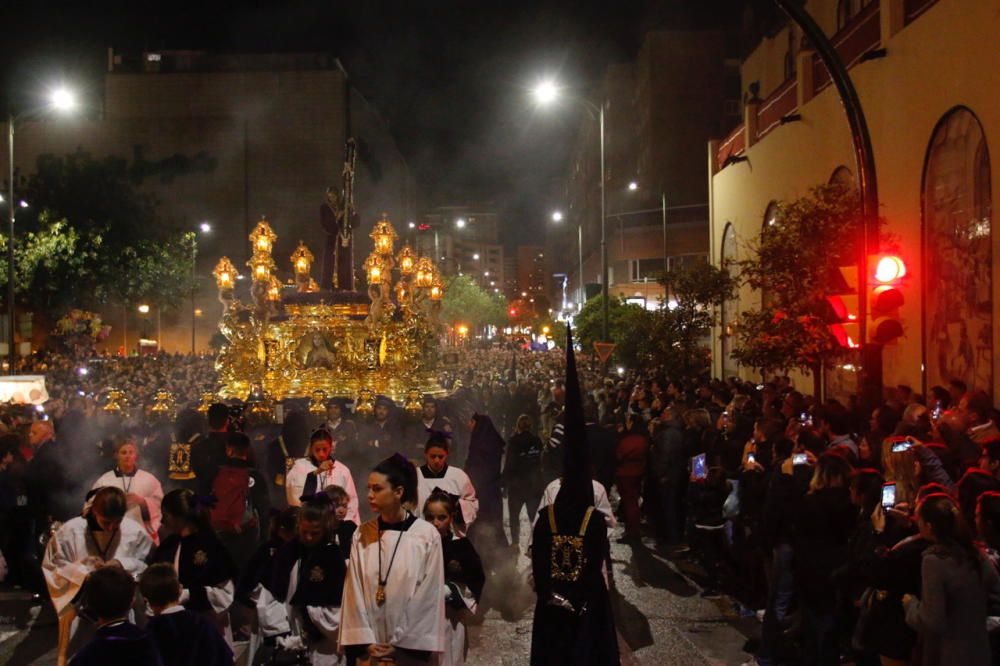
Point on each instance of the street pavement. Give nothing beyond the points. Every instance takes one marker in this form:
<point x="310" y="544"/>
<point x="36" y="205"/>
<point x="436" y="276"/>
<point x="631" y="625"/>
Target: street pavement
<point x="659" y="613"/>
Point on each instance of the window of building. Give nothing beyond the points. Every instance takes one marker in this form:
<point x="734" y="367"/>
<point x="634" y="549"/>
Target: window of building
<point x="790" y="55"/>
<point x="682" y="261"/>
<point x="845" y="10"/>
<point x="645" y="269"/>
<point x="958" y="257"/>
<point x="730" y="308"/>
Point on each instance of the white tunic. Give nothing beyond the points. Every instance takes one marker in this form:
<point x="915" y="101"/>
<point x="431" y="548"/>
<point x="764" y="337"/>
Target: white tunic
<point x="295" y="482"/>
<point x="412" y="616"/>
<point x="324" y="618"/>
<point x="145" y="486"/>
<point x="601" y="502"/>
<point x="63" y="564"/>
<point x="455" y="482"/>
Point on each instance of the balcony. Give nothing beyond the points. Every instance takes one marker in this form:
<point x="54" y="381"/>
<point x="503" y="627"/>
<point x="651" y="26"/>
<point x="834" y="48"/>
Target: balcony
<point x="778" y="104"/>
<point x="861" y="34"/>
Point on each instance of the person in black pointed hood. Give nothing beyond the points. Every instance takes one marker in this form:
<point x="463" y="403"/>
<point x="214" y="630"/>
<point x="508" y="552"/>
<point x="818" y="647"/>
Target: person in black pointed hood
<point x="573" y="623"/>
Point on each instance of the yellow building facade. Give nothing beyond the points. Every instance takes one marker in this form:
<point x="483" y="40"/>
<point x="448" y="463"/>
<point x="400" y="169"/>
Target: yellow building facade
<point x="925" y="73"/>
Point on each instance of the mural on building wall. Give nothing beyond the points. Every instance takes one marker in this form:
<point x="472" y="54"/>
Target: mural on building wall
<point x="958" y="254"/>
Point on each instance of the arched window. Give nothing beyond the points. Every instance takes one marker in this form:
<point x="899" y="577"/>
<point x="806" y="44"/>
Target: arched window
<point x="845" y="10"/>
<point x="790" y="55"/>
<point x="958" y="257"/>
<point x="842" y="176"/>
<point x="730" y="308"/>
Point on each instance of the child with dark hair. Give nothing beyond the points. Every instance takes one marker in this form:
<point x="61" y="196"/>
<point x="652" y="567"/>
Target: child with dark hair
<point x="437" y="474"/>
<point x="108" y="596"/>
<point x="181" y="636"/>
<point x="463" y="575"/>
<point x="308" y="577"/>
<point x="341" y="529"/>
<point x="204" y="567"/>
<point x="319" y="469"/>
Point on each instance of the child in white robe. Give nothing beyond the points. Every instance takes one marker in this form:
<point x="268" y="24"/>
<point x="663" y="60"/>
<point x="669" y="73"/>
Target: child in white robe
<point x="393" y="608"/>
<point x="308" y="578"/>
<point x="437" y="474"/>
<point x="103" y="536"/>
<point x="463" y="574"/>
<point x="143" y="491"/>
<point x="318" y="470"/>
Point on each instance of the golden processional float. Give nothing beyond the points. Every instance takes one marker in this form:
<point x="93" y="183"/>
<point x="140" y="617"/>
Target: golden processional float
<point x="295" y="340"/>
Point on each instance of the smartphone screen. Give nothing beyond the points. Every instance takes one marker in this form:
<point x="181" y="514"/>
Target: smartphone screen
<point x="888" y="495"/>
<point x="698" y="468"/>
<point x="751" y="458"/>
<point x="899" y="447"/>
<point x="800" y="459"/>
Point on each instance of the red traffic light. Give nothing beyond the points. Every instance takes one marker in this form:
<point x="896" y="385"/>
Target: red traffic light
<point x="889" y="269"/>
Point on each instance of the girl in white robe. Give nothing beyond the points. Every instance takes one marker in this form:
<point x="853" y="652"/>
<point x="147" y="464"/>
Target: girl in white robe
<point x="463" y="574"/>
<point x="318" y="470"/>
<point x="393" y="607"/>
<point x="103" y="536"/>
<point x="308" y="578"/>
<point x="437" y="474"/>
<point x="143" y="492"/>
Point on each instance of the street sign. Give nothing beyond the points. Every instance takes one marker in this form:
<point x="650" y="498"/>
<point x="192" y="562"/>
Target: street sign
<point x="604" y="350"/>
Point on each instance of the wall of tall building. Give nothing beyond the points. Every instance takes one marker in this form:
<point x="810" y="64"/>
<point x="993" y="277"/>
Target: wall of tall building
<point x="660" y="110"/>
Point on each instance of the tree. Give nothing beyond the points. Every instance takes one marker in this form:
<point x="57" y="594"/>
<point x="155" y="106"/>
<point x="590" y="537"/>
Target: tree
<point x="465" y="302"/>
<point x="95" y="237"/>
<point x="627" y="323"/>
<point x="793" y="265"/>
<point x="679" y="336"/>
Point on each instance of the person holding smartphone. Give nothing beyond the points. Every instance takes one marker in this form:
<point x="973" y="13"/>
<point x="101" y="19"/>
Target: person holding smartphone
<point x="823" y="524"/>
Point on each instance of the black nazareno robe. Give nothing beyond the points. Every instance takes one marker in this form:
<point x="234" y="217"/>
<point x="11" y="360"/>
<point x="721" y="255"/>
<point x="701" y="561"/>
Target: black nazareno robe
<point x="585" y="636"/>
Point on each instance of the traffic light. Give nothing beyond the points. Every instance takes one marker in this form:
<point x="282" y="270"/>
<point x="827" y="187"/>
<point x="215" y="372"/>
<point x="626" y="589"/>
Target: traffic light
<point x="841" y="307"/>
<point x="885" y="296"/>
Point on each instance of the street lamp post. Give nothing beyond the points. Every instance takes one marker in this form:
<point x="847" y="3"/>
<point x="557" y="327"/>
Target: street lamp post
<point x="60" y="99"/>
<point x="545" y="93"/>
<point x="205" y="228"/>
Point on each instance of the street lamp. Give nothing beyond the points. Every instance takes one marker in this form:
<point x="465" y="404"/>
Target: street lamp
<point x="64" y="101"/>
<point x="460" y="223"/>
<point x="475" y="256"/>
<point x="204" y="228"/>
<point x="633" y="186"/>
<point x="557" y="217"/>
<point x="545" y="93"/>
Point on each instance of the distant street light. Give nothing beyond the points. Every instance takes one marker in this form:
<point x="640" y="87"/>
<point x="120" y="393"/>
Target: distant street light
<point x="475" y="257"/>
<point x="205" y="227"/>
<point x="144" y="309"/>
<point x="62" y="100"/>
<point x="557" y="216"/>
<point x="633" y="186"/>
<point x="460" y="223"/>
<point x="545" y="92"/>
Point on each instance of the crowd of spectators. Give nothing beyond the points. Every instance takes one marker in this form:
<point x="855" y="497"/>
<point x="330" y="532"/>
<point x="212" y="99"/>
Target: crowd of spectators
<point x="869" y="537"/>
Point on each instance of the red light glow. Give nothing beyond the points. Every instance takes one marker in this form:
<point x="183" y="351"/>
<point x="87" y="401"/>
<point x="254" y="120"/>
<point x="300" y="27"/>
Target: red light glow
<point x="889" y="268"/>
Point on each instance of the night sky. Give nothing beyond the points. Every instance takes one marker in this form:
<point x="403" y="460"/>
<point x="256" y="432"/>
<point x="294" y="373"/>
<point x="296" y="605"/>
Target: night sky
<point x="450" y="77"/>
